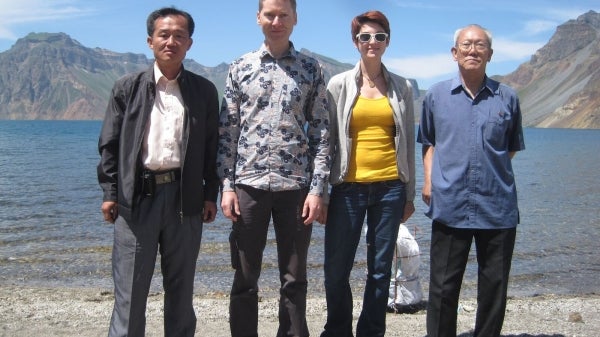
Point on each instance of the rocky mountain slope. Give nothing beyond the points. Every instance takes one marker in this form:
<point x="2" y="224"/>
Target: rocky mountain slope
<point x="52" y="76"/>
<point x="560" y="86"/>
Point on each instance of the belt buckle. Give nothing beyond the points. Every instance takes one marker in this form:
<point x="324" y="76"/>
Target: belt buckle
<point x="164" y="178"/>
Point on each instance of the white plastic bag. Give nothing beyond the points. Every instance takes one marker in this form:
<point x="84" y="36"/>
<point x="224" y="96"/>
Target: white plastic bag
<point x="405" y="287"/>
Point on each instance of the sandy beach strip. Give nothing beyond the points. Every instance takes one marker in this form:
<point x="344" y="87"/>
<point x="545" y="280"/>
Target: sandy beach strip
<point x="31" y="311"/>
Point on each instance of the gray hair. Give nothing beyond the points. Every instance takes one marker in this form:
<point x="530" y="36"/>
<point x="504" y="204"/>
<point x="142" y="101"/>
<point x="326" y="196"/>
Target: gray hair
<point x="487" y="33"/>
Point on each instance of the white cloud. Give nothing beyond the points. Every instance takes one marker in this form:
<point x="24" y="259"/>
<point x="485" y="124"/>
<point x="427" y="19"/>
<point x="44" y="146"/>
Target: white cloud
<point x="6" y="33"/>
<point x="14" y="13"/>
<point x="426" y="69"/>
<point x="422" y="67"/>
<point x="535" y="27"/>
<point x="551" y="17"/>
<point x="417" y="4"/>
<point x="509" y="50"/>
<point x="563" y="14"/>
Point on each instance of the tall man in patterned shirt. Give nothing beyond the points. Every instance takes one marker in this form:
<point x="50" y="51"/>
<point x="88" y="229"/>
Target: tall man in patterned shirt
<point x="273" y="161"/>
<point x="470" y="130"/>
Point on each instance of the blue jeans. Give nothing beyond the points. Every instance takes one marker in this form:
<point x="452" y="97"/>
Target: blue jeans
<point x="383" y="205"/>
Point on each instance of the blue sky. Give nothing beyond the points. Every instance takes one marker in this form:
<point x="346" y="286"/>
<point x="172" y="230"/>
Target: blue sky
<point x="421" y="38"/>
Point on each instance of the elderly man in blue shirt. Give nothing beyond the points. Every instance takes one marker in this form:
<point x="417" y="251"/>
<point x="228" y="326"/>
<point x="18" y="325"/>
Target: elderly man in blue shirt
<point x="470" y="129"/>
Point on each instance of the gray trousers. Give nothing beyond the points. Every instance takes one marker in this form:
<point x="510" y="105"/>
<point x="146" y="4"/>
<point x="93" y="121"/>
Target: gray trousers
<point x="157" y="227"/>
<point x="248" y="239"/>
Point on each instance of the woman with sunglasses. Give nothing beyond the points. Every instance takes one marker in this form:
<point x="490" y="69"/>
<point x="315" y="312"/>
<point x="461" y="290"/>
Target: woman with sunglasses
<point x="372" y="175"/>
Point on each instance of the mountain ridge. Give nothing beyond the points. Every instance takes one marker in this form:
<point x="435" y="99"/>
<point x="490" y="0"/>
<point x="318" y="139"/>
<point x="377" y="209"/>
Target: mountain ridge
<point x="52" y="76"/>
<point x="559" y="87"/>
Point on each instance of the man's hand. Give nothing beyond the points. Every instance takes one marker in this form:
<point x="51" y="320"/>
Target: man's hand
<point x="322" y="218"/>
<point x="409" y="209"/>
<point x="428" y="152"/>
<point x="210" y="211"/>
<point x="312" y="208"/>
<point x="230" y="205"/>
<point x="426" y="193"/>
<point x="110" y="211"/>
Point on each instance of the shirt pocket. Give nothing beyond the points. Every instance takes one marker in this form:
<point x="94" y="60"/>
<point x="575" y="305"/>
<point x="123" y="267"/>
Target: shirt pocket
<point x="496" y="128"/>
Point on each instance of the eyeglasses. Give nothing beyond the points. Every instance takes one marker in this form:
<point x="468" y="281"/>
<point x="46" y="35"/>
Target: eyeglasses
<point x="366" y="37"/>
<point x="479" y="46"/>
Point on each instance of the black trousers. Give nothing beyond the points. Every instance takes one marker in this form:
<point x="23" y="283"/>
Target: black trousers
<point x="449" y="254"/>
<point x="158" y="227"/>
<point x="248" y="239"/>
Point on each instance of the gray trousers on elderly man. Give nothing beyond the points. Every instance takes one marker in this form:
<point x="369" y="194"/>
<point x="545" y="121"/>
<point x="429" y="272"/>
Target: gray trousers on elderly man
<point x="157" y="227"/>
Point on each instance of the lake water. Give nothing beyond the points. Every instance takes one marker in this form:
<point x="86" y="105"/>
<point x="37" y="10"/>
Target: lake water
<point x="52" y="233"/>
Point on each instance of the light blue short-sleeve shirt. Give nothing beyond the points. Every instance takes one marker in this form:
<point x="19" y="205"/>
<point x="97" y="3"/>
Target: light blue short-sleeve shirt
<point x="473" y="184"/>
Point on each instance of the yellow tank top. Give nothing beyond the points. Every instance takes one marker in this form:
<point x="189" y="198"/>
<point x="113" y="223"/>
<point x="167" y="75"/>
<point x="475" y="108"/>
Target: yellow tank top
<point x="372" y="129"/>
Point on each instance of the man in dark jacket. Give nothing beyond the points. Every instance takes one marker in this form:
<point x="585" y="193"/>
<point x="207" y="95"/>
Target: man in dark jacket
<point x="158" y="173"/>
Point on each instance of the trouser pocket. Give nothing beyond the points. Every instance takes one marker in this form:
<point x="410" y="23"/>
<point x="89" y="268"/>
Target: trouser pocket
<point x="235" y="252"/>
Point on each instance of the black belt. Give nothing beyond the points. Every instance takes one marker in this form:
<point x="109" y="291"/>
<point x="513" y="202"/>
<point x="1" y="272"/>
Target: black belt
<point x="152" y="178"/>
<point x="163" y="177"/>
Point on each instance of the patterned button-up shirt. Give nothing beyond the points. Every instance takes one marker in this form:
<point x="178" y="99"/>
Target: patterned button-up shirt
<point x="274" y="126"/>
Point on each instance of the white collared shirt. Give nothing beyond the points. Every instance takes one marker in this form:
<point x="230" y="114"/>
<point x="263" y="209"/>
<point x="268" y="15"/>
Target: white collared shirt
<point x="162" y="139"/>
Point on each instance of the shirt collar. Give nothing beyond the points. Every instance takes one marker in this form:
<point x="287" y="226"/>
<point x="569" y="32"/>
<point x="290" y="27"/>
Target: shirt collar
<point x="264" y="52"/>
<point x="488" y="84"/>
<point x="158" y="74"/>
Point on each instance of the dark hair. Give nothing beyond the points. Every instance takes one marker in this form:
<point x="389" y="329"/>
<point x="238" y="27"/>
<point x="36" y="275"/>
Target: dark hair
<point x="292" y="2"/>
<point x="370" y="16"/>
<point x="166" y="11"/>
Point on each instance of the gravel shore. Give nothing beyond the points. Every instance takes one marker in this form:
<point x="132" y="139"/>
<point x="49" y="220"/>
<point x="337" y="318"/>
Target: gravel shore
<point x="28" y="311"/>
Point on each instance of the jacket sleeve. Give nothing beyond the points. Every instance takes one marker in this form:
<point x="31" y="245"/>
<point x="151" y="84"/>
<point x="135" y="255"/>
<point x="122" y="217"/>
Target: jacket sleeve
<point x="410" y="141"/>
<point x="211" y="178"/>
<point x="108" y="145"/>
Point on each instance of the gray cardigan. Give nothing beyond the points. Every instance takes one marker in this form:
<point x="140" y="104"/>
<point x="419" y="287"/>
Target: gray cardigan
<point x="343" y="92"/>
